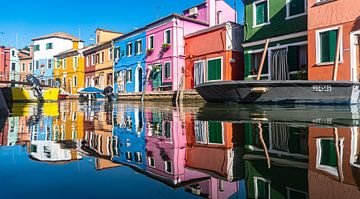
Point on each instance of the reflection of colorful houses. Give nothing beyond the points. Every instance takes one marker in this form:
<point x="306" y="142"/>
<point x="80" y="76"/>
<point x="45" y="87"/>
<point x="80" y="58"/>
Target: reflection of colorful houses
<point x="215" y="149"/>
<point x="331" y="175"/>
<point x="284" y="173"/>
<point x="129" y="133"/>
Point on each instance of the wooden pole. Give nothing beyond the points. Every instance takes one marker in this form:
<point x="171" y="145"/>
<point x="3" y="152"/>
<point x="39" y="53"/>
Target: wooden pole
<point x="145" y="84"/>
<point x="338" y="158"/>
<point x="337" y="54"/>
<point x="263" y="59"/>
<point x="264" y="145"/>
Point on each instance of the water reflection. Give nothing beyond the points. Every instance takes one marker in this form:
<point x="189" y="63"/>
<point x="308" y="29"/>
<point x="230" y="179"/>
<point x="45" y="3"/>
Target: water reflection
<point x="209" y="151"/>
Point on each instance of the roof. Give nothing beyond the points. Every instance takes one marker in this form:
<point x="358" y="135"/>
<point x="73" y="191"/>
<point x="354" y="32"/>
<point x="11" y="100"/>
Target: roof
<point x="62" y="35"/>
<point x="216" y="27"/>
<point x="90" y="90"/>
<point x="174" y="15"/>
<point x="98" y="46"/>
<point x="201" y="4"/>
<point x="104" y="30"/>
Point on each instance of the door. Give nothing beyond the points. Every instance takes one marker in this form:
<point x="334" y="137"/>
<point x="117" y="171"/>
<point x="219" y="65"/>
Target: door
<point x="156" y="77"/>
<point x="140" y="80"/>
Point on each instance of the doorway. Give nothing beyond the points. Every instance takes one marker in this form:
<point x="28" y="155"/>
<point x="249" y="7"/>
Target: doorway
<point x="138" y="80"/>
<point x="355" y="56"/>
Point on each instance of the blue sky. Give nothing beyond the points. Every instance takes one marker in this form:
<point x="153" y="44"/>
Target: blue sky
<point x="25" y="19"/>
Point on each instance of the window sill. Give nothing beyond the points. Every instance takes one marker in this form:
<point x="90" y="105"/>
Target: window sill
<point x="261" y="25"/>
<point x="328" y="63"/>
<point x="324" y="2"/>
<point x="295" y="16"/>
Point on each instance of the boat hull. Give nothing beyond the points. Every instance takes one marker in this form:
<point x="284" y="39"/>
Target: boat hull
<point x="17" y="94"/>
<point x="276" y="92"/>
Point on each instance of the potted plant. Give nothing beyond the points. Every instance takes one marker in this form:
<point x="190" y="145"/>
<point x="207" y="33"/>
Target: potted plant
<point x="149" y="51"/>
<point x="165" y="47"/>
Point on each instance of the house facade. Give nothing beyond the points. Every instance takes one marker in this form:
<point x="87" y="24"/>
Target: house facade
<point x="165" y="40"/>
<point x="129" y="65"/>
<point x="324" y="25"/>
<point x="4" y="63"/>
<point x="214" y="54"/>
<point x="284" y="23"/>
<point x="46" y="47"/>
<point x="14" y="65"/>
<point x="26" y="63"/>
<point x="69" y="70"/>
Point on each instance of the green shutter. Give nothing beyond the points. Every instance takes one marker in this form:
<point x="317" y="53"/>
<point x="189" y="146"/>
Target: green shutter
<point x="136" y="48"/>
<point x="156" y="82"/>
<point x="261" y="13"/>
<point x="215" y="132"/>
<point x="262" y="187"/>
<point x="214" y="69"/>
<point x="328" y="153"/>
<point x="297" y="7"/>
<point x="168" y="37"/>
<point x="328" y="46"/>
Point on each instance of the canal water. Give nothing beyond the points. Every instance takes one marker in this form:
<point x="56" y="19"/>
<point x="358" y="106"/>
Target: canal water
<point x="156" y="150"/>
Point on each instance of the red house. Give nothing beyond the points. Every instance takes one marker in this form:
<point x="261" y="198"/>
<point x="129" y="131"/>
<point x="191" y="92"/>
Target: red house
<point x="4" y="62"/>
<point x="214" y="54"/>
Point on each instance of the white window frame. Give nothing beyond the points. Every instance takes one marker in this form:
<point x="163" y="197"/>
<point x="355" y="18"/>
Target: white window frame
<point x="75" y="77"/>
<point x="75" y="62"/>
<point x="129" y="54"/>
<point x="149" y="162"/>
<point x="288" y="16"/>
<point x="127" y="81"/>
<point x="206" y="69"/>
<point x="139" y="47"/>
<point x="87" y="60"/>
<point x="93" y="59"/>
<point x="167" y="78"/>
<point x="199" y="61"/>
<point x="87" y="81"/>
<point x="318" y="47"/>
<point x="149" y="43"/>
<point x="48" y="64"/>
<point x="110" y="55"/>
<point x="165" y="42"/>
<point x="256" y="191"/>
<point x="254" y="14"/>
<point x="171" y="166"/>
<point x="331" y="170"/>
<point x="64" y="63"/>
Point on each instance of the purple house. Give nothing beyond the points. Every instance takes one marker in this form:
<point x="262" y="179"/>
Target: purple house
<point x="165" y="61"/>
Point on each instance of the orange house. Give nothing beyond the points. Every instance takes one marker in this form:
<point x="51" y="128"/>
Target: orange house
<point x="214" y="54"/>
<point x="327" y="19"/>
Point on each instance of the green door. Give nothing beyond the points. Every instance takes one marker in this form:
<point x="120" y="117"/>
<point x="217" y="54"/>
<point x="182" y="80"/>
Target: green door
<point x="156" y="78"/>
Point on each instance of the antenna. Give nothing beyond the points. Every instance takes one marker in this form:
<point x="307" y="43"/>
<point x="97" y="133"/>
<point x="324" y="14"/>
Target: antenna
<point x="235" y="13"/>
<point x="79" y="32"/>
<point x="157" y="11"/>
<point x="1" y="34"/>
<point x="16" y="40"/>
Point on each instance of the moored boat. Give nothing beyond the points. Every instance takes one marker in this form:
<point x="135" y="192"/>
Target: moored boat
<point x="275" y="92"/>
<point x="29" y="94"/>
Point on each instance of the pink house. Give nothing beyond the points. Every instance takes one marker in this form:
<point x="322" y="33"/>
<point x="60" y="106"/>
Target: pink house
<point x="165" y="61"/>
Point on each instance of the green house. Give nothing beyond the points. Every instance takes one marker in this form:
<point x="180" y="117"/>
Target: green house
<point x="284" y="23"/>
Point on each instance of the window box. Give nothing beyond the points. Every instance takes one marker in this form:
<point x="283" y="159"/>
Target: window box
<point x="165" y="47"/>
<point x="149" y="51"/>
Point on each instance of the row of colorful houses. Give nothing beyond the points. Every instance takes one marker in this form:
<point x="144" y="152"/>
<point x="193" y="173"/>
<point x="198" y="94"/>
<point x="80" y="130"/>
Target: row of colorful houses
<point x="205" y="44"/>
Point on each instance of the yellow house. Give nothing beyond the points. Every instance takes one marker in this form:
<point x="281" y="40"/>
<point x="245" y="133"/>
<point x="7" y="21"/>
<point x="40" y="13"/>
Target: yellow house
<point x="69" y="70"/>
<point x="101" y="56"/>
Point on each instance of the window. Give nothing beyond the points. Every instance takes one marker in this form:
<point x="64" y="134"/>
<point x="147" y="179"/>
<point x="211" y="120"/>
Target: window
<point x="167" y="129"/>
<point x="49" y="63"/>
<point x="167" y="70"/>
<point x="110" y="53"/>
<point x="128" y="75"/>
<point x="128" y="156"/>
<point x="13" y="53"/>
<point x="151" y="162"/>
<point x="167" y="37"/>
<point x="102" y="57"/>
<point x="36" y="47"/>
<point x="168" y="166"/>
<point x="151" y="42"/>
<point x="214" y="69"/>
<point x="261" y="14"/>
<point x="219" y="17"/>
<point x="129" y="49"/>
<point x="326" y="156"/>
<point x="37" y="65"/>
<point x="64" y="63"/>
<point x="215" y="132"/>
<point x="75" y="83"/>
<point x="326" y="46"/>
<point x="117" y="52"/>
<point x="13" y="66"/>
<point x="138" y="47"/>
<point x="87" y="82"/>
<point x="97" y="58"/>
<point x="262" y="188"/>
<point x="138" y="157"/>
<point x="295" y="8"/>
<point x="93" y="59"/>
<point x="87" y="60"/>
<point x="49" y="46"/>
<point x="199" y="72"/>
<point x="23" y="67"/>
<point x="30" y="67"/>
<point x="76" y="62"/>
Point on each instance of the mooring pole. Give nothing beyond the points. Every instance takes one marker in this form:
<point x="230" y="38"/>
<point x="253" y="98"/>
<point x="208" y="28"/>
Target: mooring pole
<point x="338" y="158"/>
<point x="337" y="54"/>
<point x="261" y="137"/>
<point x="263" y="59"/>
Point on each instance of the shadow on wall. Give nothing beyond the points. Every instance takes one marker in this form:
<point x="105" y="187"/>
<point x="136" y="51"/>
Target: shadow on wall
<point x="356" y="26"/>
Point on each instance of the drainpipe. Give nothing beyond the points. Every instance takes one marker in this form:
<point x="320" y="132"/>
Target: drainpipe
<point x="112" y="51"/>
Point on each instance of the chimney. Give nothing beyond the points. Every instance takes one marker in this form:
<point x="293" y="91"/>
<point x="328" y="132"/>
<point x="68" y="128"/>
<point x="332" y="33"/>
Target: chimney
<point x="31" y="50"/>
<point x="211" y="7"/>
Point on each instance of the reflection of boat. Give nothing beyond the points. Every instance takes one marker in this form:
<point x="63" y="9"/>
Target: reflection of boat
<point x="292" y="92"/>
<point x="27" y="94"/>
<point x="91" y="93"/>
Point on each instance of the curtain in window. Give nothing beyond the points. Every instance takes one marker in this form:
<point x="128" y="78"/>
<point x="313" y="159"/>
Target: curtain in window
<point x="200" y="132"/>
<point x="303" y="59"/>
<point x="256" y="59"/>
<point x="279" y="65"/>
<point x="199" y="73"/>
<point x="280" y="136"/>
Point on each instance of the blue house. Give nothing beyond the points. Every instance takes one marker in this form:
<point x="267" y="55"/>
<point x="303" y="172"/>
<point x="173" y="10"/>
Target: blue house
<point x="129" y="131"/>
<point x="129" y="66"/>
